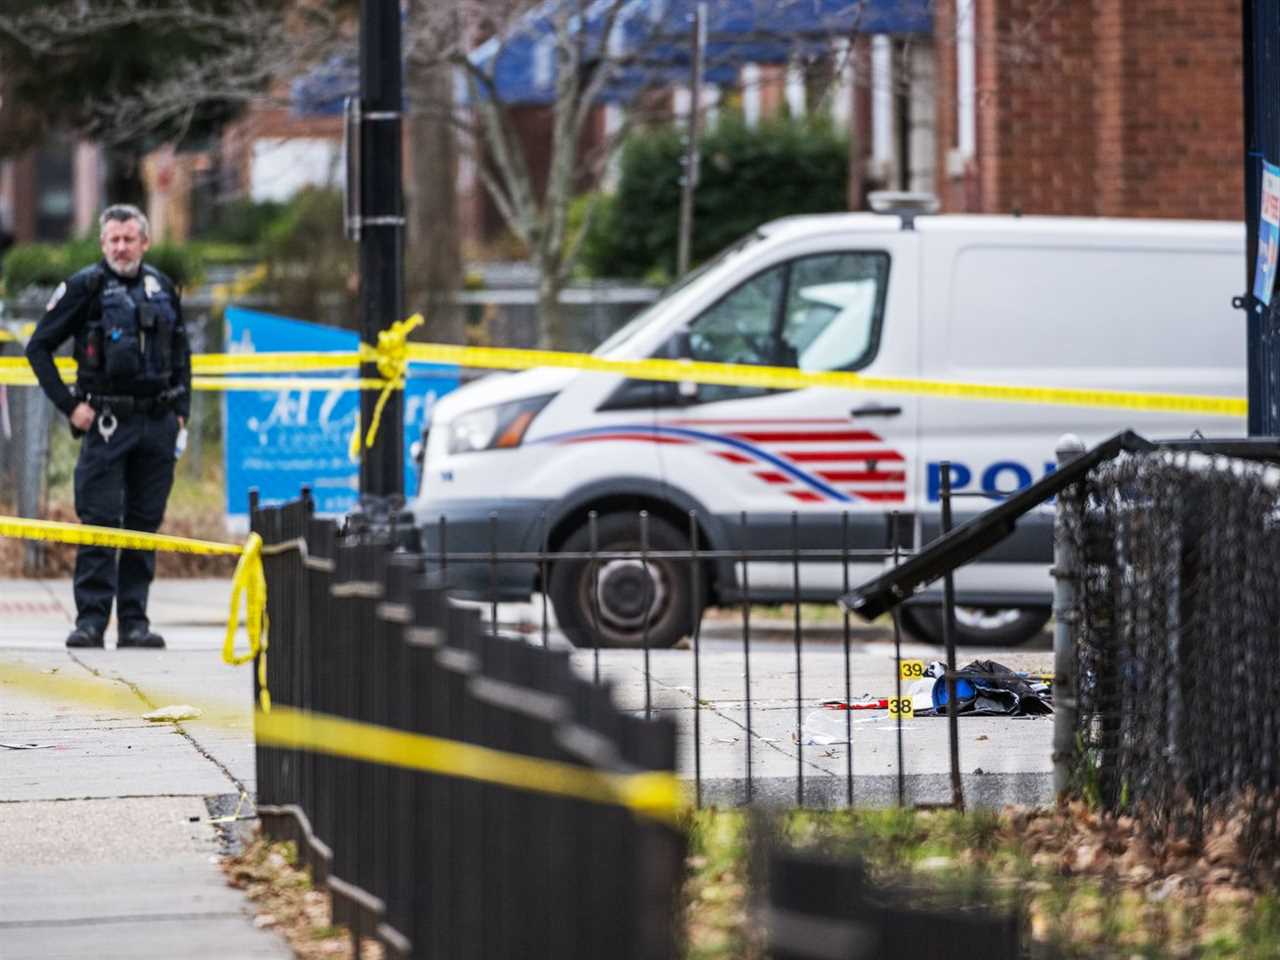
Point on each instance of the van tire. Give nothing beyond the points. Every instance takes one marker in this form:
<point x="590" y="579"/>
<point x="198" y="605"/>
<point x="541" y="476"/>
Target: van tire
<point x="924" y="622"/>
<point x="622" y="589"/>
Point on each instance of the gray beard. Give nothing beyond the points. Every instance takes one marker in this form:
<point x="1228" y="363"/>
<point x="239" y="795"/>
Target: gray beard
<point x="128" y="271"/>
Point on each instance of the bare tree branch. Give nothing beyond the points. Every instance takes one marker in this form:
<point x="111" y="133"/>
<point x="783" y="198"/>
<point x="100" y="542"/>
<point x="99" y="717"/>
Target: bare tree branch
<point x="599" y="49"/>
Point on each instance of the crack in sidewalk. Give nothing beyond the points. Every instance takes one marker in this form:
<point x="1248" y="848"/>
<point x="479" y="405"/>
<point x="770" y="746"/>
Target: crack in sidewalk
<point x="710" y="705"/>
<point x="177" y="726"/>
<point x="57" y="601"/>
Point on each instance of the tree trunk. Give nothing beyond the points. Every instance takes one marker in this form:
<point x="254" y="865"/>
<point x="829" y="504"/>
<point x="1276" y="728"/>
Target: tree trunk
<point x="124" y="178"/>
<point x="553" y="331"/>
<point x="432" y="259"/>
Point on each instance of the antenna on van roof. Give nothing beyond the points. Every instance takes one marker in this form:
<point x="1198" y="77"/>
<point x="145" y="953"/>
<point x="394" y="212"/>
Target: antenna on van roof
<point x="907" y="204"/>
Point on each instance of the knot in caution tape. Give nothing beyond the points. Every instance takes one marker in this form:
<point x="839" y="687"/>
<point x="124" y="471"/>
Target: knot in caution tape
<point x="250" y="582"/>
<point x="391" y="354"/>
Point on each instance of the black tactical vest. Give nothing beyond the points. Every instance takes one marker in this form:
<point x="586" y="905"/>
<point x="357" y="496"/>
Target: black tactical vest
<point x="129" y="342"/>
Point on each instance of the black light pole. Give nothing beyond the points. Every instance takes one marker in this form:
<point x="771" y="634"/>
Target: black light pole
<point x="1261" y="62"/>
<point x="380" y="225"/>
<point x="1252" y="180"/>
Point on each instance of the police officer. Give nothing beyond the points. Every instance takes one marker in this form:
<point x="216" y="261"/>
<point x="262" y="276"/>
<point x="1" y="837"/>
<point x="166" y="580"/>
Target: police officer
<point x="131" y="397"/>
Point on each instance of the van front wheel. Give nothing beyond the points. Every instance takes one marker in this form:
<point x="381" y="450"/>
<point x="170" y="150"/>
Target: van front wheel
<point x="977" y="626"/>
<point x="624" y="601"/>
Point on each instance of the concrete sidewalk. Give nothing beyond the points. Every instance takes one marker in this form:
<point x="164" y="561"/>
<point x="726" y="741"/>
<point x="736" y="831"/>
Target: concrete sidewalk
<point x="104" y="838"/>
<point x="106" y="845"/>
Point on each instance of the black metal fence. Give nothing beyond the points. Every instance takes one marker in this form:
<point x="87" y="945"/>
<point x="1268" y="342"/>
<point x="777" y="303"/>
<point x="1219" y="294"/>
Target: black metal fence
<point x="1168" y="614"/>
<point x="752" y="636"/>
<point x="434" y="864"/>
<point x="480" y="575"/>
<point x="1176" y="626"/>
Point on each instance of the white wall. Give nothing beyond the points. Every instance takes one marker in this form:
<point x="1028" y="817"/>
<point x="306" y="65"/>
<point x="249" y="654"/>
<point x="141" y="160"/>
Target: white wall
<point x="283" y="167"/>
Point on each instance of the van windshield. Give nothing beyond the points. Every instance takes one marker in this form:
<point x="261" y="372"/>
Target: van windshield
<point x="636" y="323"/>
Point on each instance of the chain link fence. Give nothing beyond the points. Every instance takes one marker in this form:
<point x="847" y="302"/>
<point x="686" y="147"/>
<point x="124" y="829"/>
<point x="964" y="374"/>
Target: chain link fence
<point x="1177" y="629"/>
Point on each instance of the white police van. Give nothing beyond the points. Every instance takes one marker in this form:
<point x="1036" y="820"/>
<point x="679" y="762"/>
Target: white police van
<point x="516" y="460"/>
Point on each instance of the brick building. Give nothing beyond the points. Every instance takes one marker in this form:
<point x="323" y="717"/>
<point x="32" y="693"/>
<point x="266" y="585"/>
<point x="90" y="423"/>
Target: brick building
<point x="51" y="192"/>
<point x="1090" y="107"/>
<point x="1085" y="107"/>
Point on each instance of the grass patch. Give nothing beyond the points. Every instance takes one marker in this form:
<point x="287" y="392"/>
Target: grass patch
<point x="1085" y="886"/>
<point x="1046" y="865"/>
<point x="285" y="901"/>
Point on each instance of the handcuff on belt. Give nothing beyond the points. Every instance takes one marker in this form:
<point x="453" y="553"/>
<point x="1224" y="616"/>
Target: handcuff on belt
<point x="106" y="420"/>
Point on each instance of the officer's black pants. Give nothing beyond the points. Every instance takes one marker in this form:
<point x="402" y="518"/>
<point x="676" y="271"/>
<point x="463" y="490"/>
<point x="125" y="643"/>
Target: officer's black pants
<point x="122" y="481"/>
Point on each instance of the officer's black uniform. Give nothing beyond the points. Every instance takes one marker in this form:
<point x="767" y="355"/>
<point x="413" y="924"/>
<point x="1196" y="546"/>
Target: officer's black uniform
<point x="134" y="369"/>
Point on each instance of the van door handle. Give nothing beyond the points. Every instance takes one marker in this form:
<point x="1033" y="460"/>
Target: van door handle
<point x="875" y="410"/>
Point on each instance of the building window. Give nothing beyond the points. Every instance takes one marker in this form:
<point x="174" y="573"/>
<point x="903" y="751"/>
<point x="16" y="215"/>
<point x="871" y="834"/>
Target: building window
<point x="55" y="203"/>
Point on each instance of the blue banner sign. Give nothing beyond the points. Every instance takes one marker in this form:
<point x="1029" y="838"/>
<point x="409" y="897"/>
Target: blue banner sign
<point x="280" y="440"/>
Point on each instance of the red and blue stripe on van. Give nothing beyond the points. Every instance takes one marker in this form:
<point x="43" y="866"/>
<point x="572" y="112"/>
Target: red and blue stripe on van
<point x="810" y="461"/>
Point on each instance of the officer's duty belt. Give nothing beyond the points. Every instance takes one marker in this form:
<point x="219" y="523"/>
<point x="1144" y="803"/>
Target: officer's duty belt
<point x="124" y="405"/>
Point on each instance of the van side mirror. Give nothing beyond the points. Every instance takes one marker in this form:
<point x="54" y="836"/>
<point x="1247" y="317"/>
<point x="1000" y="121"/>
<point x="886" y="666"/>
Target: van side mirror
<point x="678" y="347"/>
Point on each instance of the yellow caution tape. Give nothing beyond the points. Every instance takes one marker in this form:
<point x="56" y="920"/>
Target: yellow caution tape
<point x="17" y="371"/>
<point x="212" y="364"/>
<point x="391" y="357"/>
<point x="393" y="353"/>
<point x="241" y="285"/>
<point x="21" y="336"/>
<point x="746" y="375"/>
<point x="276" y="384"/>
<point x="23" y="376"/>
<point x="83" y="534"/>
<point x="67" y="688"/>
<point x="248" y="581"/>
<point x="654" y="795"/>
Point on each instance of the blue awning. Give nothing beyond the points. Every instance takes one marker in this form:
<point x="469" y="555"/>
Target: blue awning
<point x="653" y="37"/>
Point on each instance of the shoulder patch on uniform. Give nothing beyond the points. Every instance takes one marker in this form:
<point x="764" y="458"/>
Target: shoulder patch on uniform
<point x="57" y="295"/>
<point x="150" y="285"/>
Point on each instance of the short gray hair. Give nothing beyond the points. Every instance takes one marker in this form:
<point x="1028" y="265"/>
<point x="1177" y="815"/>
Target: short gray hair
<point x="123" y="213"/>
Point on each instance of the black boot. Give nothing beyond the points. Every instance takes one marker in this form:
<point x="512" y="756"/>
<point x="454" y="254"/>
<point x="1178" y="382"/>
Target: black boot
<point x="139" y="635"/>
<point x="86" y="636"/>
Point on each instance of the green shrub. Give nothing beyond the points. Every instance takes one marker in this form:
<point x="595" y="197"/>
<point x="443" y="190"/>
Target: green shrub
<point x="181" y="263"/>
<point x="44" y="264"/>
<point x="47" y="265"/>
<point x="242" y="222"/>
<point x="215" y="251"/>
<point x="311" y="265"/>
<point x="747" y="177"/>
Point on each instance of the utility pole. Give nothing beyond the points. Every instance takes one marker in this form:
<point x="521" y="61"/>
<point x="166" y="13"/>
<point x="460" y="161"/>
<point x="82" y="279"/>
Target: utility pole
<point x="685" y="244"/>
<point x="377" y="221"/>
<point x="1261" y="23"/>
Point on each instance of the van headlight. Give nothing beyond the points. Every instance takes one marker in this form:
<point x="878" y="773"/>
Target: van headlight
<point x="495" y="428"/>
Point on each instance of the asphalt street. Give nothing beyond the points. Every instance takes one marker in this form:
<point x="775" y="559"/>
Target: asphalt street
<point x="104" y="831"/>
